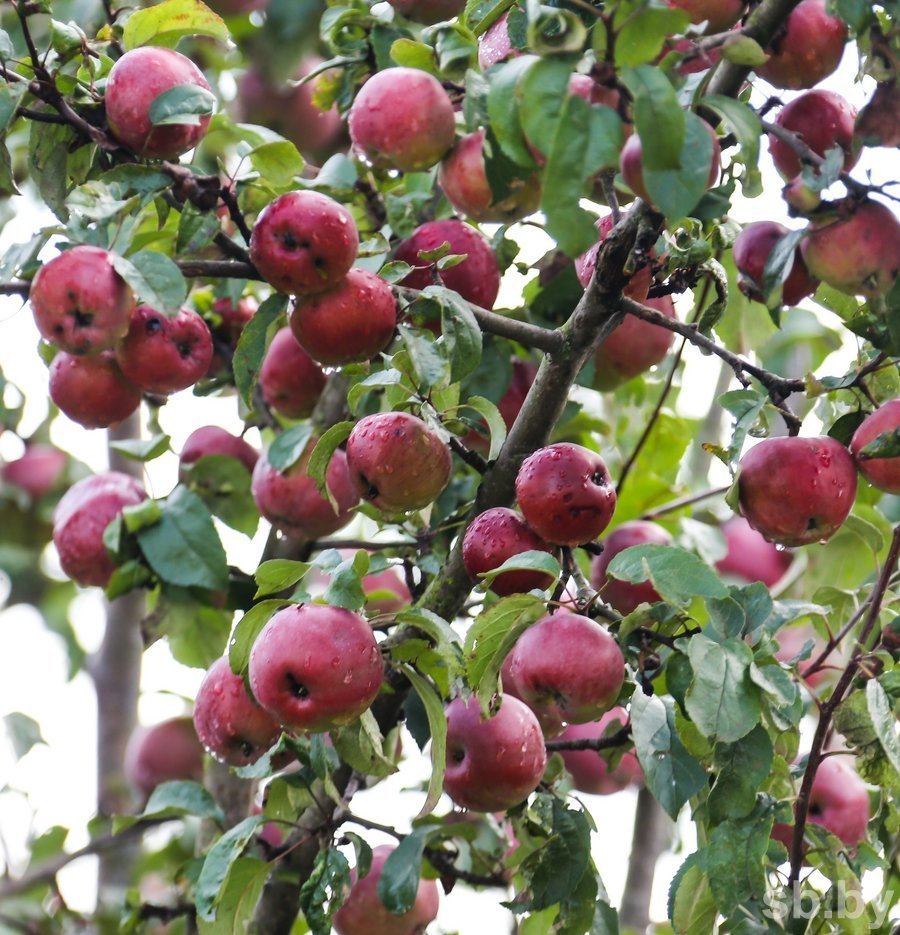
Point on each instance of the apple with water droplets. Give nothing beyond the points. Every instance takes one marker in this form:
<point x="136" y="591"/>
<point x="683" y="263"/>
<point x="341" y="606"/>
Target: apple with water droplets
<point x="752" y="248"/>
<point x="91" y="389"/>
<point x="164" y="752"/>
<point x="626" y="596"/>
<point x="211" y="440"/>
<point x="588" y="769"/>
<point x="290" y="381"/>
<point x="883" y="473"/>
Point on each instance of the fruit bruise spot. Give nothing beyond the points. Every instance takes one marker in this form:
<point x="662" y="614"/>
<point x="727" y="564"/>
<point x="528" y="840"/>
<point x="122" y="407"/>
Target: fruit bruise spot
<point x="82" y="319"/>
<point x="458" y="755"/>
<point x="184" y="350"/>
<point x="371" y="491"/>
<point x="598" y="478"/>
<point x="297" y="689"/>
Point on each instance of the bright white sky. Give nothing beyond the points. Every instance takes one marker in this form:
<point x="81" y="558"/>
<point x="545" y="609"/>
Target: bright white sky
<point x="58" y="779"/>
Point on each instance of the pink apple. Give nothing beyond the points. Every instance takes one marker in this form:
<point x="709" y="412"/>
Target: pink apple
<point x="791" y="641"/>
<point x="163" y="752"/>
<point x="214" y="440"/>
<point x="92" y="390"/>
<point x="290" y="381"/>
<point x="752" y="248"/>
<point x="38" y="471"/>
<point x="386" y="592"/>
<point x="883" y="473"/>
<point x="589" y="771"/>
<point x="494" y="44"/>
<point x="750" y="556"/>
<point x="718" y="15"/>
<point x="878" y="123"/>
<point x="623" y="595"/>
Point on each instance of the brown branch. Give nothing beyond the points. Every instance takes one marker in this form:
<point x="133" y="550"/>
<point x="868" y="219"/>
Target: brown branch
<point x="17" y="287"/>
<point x="682" y="502"/>
<point x="219" y="269"/>
<point x="618" y="739"/>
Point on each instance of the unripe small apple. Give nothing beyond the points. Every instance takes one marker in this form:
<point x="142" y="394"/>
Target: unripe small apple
<point x="751" y="251"/>
<point x="883" y="473"/>
<point x="797" y="490"/>
<point x="80" y="303"/>
<point x="163" y="355"/>
<point x="81" y="518"/>
<point x="230" y="724"/>
<point x="719" y="15"/>
<point x="290" y="381"/>
<point x="163" y="752"/>
<point x="135" y="81"/>
<point x="38" y="471"/>
<point x="623" y="595"/>
<point x="92" y="390"/>
<point x="402" y="118"/>
<point x="750" y="556"/>
<point x="214" y="440"/>
<point x="589" y="771"/>
<point x="304" y="242"/>
<point x="397" y="462"/>
<point x="565" y="493"/>
<point x="800" y="198"/>
<point x="495" y="763"/>
<point x="314" y="667"/>
<point x="428" y="12"/>
<point x="350" y="323"/>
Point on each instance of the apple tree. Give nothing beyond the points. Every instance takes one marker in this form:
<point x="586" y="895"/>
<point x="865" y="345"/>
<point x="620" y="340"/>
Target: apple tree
<point x="563" y="469"/>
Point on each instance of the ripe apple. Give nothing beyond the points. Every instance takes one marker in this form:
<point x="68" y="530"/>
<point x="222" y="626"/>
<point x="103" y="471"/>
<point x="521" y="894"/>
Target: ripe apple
<point x="428" y="12"/>
<point x="751" y="251"/>
<point x="135" y="81"/>
<point x="878" y="123"/>
<point x="39" y="470"/>
<point x="80" y="519"/>
<point x="589" y="771"/>
<point x="751" y="557"/>
<point x="623" y="595"/>
<point x="567" y="669"/>
<point x="163" y="752"/>
<point x="718" y="15"/>
<point x="858" y="252"/>
<point x="291" y="502"/>
<point x="304" y="242"/>
<point x="214" y="440"/>
<point x="314" y="667"/>
<point x="349" y="323"/>
<point x="565" y="493"/>
<point x="639" y="284"/>
<point x="363" y="913"/>
<point x="822" y="120"/>
<point x="494" y="44"/>
<point x="290" y="381"/>
<point x="397" y="462"/>
<point x="476" y="278"/>
<point x="492" y="764"/>
<point x="791" y="641"/>
<point x="883" y="473"/>
<point x="229" y="321"/>
<point x="92" y="390"/>
<point x="163" y="355"/>
<point x="797" y="490"/>
<point x="493" y="537"/>
<point x="386" y="592"/>
<point x="807" y="49"/>
<point x="230" y="724"/>
<point x="463" y="178"/>
<point x="402" y="118"/>
<point x="80" y="303"/>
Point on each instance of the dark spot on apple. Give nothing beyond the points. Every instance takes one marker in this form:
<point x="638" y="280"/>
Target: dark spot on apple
<point x="815" y="808"/>
<point x="297" y="689"/>
<point x="153" y="325"/>
<point x="458" y="755"/>
<point x="184" y="350"/>
<point x="82" y="319"/>
<point x="58" y="329"/>
<point x="246" y="748"/>
<point x="811" y="524"/>
<point x="370" y="491"/>
<point x="598" y="478"/>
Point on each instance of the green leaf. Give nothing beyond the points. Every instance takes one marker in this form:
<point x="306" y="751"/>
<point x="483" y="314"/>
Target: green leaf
<point x="361" y="746"/>
<point x="400" y="875"/>
<point x="779" y="264"/>
<point x="505" y="118"/>
<point x="288" y="447"/>
<point x="246" y="631"/>
<point x="460" y="331"/>
<point x="238" y="897"/>
<point x="430" y="367"/>
<point x="183" y="548"/>
<point x="675" y="191"/>
<point x="278" y="574"/>
<point x="735" y="860"/>
<point x="218" y="863"/>
<point x="142" y="449"/>
<point x="278" y="163"/>
<point x="641" y="37"/>
<point x="156" y="280"/>
<point x="744" y="611"/>
<point x="885" y="445"/>
<point x="437" y="724"/>
<point x="659" y="120"/>
<point x="174" y="800"/>
<point x="540" y="96"/>
<point x="410" y="54"/>
<point x="692" y="908"/>
<point x="23" y="731"/>
<point x="183" y="104"/>
<point x="678" y="576"/>
<point x="345" y="587"/>
<point x="884" y="722"/>
<point x="742" y="767"/>
<point x="536" y="560"/>
<point x="223" y="484"/>
<point x="744" y="123"/>
<point x="494" y="421"/>
<point x="165" y="23"/>
<point x="326" y="446"/>
<point x="325" y="889"/>
<point x="251" y="346"/>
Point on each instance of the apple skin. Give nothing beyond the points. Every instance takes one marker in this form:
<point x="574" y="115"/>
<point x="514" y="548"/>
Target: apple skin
<point x="402" y="118"/>
<point x="492" y="764"/>
<point x="495" y="536"/>
<point x="80" y="519"/>
<point x="231" y="726"/>
<point x="463" y="178"/>
<point x="214" y="440"/>
<point x="304" y="242"/>
<point x="858" y="254"/>
<point x="378" y="589"/>
<point x="163" y="355"/>
<point x="164" y="752"/>
<point x="314" y="667"/>
<point x="750" y="556"/>
<point x="797" y="490"/>
<point x="396" y="462"/>
<point x="92" y="390"/>
<point x="718" y="14"/>
<point x="38" y="471"/>
<point x="292" y="503"/>
<point x="227" y="330"/>
<point x="428" y="12"/>
<point x="80" y="303"/>
<point x="807" y="49"/>
<point x="565" y="493"/>
<point x="476" y="278"/>
<point x="348" y="324"/>
<point x="623" y="595"/>
<point x="363" y="913"/>
<point x="590" y="773"/>
<point x="878" y="123"/>
<point x="494" y="44"/>
<point x="567" y="669"/>
<point x="883" y="473"/>
<point x="823" y="120"/>
<point x="134" y="82"/>
<point x="751" y="250"/>
<point x="290" y="381"/>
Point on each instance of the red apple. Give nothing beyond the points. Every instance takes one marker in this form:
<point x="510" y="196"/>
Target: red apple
<point x="80" y="519"/>
<point x="39" y="470"/>
<point x="348" y="324"/>
<point x="164" y="752"/>
<point x="476" y="278"/>
<point x="493" y="537"/>
<point x="718" y="15"/>
<point x="820" y="119"/>
<point x="639" y="284"/>
<point x="589" y="771"/>
<point x="214" y="440"/>
<point x="797" y="490"/>
<point x="290" y="381"/>
<point x="623" y="595"/>
<point x="791" y="641"/>
<point x="751" y="251"/>
<point x="858" y="252"/>
<point x="751" y="557"/>
<point x="135" y="81"/>
<point x="878" y="123"/>
<point x="494" y="44"/>
<point x="363" y="913"/>
<point x="230" y="724"/>
<point x="494" y="763"/>
<point x="397" y="462"/>
<point x="227" y="325"/>
<point x="80" y="303"/>
<point x="839" y="801"/>
<point x="314" y="667"/>
<point x="565" y="493"/>
<point x="304" y="242"/>
<point x="386" y="592"/>
<point x="567" y="669"/>
<point x="883" y="473"/>
<point x="163" y="355"/>
<point x="428" y="11"/>
<point x="402" y="118"/>
<point x="92" y="390"/>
